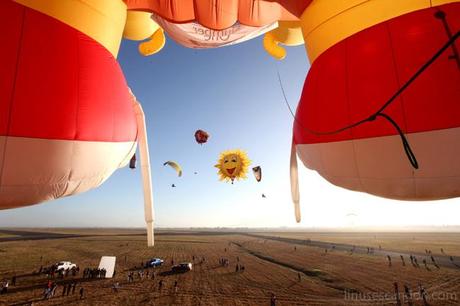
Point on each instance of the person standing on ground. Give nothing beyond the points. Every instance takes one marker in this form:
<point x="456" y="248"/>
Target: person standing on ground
<point x="273" y="300"/>
<point x="5" y="287"/>
<point x="396" y="288"/>
<point x="408" y="295"/>
<point x="175" y="287"/>
<point x="82" y="292"/>
<point x="423" y="294"/>
<point x="402" y="259"/>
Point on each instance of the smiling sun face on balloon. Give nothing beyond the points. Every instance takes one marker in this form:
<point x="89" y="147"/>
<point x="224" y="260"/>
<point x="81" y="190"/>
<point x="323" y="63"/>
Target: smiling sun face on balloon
<point x="232" y="165"/>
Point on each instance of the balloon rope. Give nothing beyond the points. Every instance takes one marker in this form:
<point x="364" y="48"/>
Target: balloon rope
<point x="379" y="112"/>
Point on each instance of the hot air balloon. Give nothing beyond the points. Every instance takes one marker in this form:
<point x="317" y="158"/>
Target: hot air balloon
<point x="175" y="166"/>
<point x="63" y="131"/>
<point x="67" y="119"/>
<point x="257" y="173"/>
<point x="201" y="136"/>
<point x="391" y="124"/>
<point x="232" y="164"/>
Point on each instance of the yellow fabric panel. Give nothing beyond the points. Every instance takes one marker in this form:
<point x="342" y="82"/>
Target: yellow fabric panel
<point x="288" y="33"/>
<point x="102" y="20"/>
<point x="139" y="25"/>
<point x="271" y="46"/>
<point x="441" y="2"/>
<point x="327" y="22"/>
<point x="154" y="44"/>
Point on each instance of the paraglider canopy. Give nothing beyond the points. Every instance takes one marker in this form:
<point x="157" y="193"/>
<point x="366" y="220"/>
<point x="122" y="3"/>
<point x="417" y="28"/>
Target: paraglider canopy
<point x="257" y="173"/>
<point x="175" y="166"/>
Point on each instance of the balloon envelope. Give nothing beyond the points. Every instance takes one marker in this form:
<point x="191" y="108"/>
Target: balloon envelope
<point x="354" y="76"/>
<point x="201" y="136"/>
<point x="62" y="130"/>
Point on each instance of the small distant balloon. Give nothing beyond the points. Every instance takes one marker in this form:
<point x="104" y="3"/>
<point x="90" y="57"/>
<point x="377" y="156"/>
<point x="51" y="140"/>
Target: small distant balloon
<point x="201" y="136"/>
<point x="263" y="195"/>
<point x="173" y="185"/>
<point x="175" y="166"/>
<point x="257" y="173"/>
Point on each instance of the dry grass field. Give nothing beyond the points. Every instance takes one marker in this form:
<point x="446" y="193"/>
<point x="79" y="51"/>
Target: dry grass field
<point x="404" y="242"/>
<point x="333" y="278"/>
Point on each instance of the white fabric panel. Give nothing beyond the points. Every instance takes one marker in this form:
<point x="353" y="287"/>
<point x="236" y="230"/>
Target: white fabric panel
<point x="194" y="35"/>
<point x="383" y="168"/>
<point x="145" y="170"/>
<point x="37" y="170"/>
<point x="311" y="157"/>
<point x="294" y="175"/>
<point x="382" y="157"/>
<point x="108" y="263"/>
<point x="438" y="152"/>
<point x="332" y="160"/>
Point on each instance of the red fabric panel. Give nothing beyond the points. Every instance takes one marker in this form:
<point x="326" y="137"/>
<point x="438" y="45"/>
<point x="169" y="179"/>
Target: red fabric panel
<point x="434" y="101"/>
<point x="68" y="86"/>
<point x="352" y="79"/>
<point x="8" y="56"/>
<point x="322" y="112"/>
<point x="370" y="85"/>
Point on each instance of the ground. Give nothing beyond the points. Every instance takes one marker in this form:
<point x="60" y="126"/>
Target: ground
<point x="345" y="274"/>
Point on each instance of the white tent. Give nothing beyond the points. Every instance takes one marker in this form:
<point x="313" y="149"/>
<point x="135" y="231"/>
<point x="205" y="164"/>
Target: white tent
<point x="108" y="263"/>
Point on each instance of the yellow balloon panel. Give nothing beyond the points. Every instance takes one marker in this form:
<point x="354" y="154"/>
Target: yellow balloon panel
<point x="154" y="44"/>
<point x="139" y="25"/>
<point x="288" y="33"/>
<point x="102" y="20"/>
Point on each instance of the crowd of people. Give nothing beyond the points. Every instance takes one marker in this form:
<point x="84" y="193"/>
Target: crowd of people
<point x="94" y="273"/>
<point x="69" y="288"/>
<point x="53" y="272"/>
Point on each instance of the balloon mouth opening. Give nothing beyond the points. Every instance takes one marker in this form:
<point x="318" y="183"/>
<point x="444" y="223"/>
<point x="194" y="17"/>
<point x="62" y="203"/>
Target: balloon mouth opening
<point x="231" y="170"/>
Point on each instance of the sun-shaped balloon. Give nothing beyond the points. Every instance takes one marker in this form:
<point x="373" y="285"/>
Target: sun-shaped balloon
<point x="232" y="164"/>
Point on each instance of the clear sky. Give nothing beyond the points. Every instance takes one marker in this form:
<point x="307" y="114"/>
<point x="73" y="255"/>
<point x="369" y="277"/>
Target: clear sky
<point x="234" y="94"/>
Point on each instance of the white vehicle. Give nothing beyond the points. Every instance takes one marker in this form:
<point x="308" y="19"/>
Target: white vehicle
<point x="65" y="265"/>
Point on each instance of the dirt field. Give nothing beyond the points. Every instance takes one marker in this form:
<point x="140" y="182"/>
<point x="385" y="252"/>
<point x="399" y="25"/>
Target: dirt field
<point x="270" y="266"/>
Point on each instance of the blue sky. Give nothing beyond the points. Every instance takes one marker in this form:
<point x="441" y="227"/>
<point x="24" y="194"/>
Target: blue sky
<point x="234" y="94"/>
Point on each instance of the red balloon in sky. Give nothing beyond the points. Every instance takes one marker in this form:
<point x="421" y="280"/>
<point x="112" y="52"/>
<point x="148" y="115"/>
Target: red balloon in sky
<point x="201" y="136"/>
